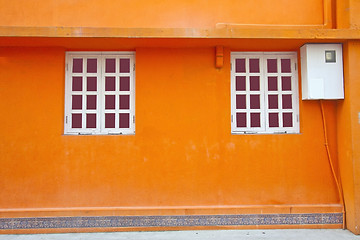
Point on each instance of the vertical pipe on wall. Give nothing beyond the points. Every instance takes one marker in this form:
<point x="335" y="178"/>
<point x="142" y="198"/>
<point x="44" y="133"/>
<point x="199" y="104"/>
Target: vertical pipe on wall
<point x="338" y="185"/>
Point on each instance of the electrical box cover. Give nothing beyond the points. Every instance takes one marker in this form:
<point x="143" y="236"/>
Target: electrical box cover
<point x="322" y="71"/>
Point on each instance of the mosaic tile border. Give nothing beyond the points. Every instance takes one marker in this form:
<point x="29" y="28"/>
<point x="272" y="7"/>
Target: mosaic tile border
<point x="170" y="221"/>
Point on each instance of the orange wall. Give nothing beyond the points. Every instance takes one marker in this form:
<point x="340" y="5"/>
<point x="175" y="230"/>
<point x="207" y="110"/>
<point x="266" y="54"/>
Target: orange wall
<point x="182" y="154"/>
<point x="347" y="14"/>
<point x="159" y="13"/>
<point x="349" y="138"/>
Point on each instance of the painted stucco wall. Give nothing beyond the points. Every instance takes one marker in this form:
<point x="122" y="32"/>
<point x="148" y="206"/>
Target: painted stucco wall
<point x="159" y="13"/>
<point x="183" y="158"/>
<point x="182" y="154"/>
<point x="348" y="135"/>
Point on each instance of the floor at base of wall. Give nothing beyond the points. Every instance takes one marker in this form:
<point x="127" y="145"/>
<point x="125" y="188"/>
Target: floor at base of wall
<point x="288" y="234"/>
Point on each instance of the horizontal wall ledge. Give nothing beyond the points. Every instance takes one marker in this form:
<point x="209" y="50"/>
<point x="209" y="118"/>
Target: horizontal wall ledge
<point x="168" y="210"/>
<point x="223" y="32"/>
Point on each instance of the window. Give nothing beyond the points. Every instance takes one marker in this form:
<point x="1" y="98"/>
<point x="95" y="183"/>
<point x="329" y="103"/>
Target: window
<point x="264" y="92"/>
<point x="100" y="93"/>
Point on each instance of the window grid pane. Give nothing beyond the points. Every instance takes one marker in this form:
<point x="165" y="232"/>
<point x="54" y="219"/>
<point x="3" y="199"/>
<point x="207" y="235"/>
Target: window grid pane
<point x="91" y="65"/>
<point x="119" y="94"/>
<point x="77" y="83"/>
<point x="91" y="120"/>
<point x="278" y="97"/>
<point x="248" y="94"/>
<point x="124" y="120"/>
<point x="89" y="77"/>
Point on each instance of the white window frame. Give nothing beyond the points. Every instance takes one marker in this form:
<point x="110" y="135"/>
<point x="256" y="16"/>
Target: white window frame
<point x="264" y="127"/>
<point x="100" y="108"/>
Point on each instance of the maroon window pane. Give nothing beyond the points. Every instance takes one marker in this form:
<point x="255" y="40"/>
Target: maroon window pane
<point x="240" y="119"/>
<point x="286" y="83"/>
<point x="240" y="65"/>
<point x="77" y="65"/>
<point x="77" y="83"/>
<point x="110" y="102"/>
<point x="287" y="101"/>
<point x="272" y="84"/>
<point x="109" y="83"/>
<point x="124" y="65"/>
<point x="91" y="102"/>
<point x="272" y="65"/>
<point x="76" y="120"/>
<point x="110" y="65"/>
<point x="124" y="83"/>
<point x="255" y="119"/>
<point x="124" y="101"/>
<point x="240" y="101"/>
<point x="287" y="120"/>
<point x="273" y="120"/>
<point x="77" y="102"/>
<point x="273" y="102"/>
<point x="109" y="120"/>
<point x="254" y="101"/>
<point x="254" y="83"/>
<point x="124" y="120"/>
<point x="285" y="66"/>
<point x="92" y="65"/>
<point x="254" y="65"/>
<point x="240" y="83"/>
<point x="91" y="83"/>
<point x="91" y="120"/>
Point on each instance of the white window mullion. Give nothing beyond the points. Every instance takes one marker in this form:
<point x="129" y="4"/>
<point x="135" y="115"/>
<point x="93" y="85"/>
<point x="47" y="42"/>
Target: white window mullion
<point x="247" y="90"/>
<point x="102" y="95"/>
<point x="84" y="91"/>
<point x="132" y="96"/>
<point x="295" y="93"/>
<point x="67" y="119"/>
<point x="98" y="94"/>
<point x="263" y="90"/>
<point x="117" y="91"/>
<point x="233" y="94"/>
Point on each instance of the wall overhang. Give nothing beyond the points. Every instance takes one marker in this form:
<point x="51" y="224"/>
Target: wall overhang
<point x="226" y="32"/>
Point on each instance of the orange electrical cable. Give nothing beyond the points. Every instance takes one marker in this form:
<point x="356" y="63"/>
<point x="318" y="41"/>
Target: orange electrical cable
<point x="338" y="185"/>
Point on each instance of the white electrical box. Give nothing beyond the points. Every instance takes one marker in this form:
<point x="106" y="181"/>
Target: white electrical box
<point x="322" y="71"/>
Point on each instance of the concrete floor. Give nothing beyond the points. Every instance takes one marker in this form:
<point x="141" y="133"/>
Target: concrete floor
<point x="293" y="234"/>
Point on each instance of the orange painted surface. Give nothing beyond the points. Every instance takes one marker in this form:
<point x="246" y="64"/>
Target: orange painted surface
<point x="182" y="154"/>
<point x="343" y="14"/>
<point x="349" y="139"/>
<point x="159" y="13"/>
<point x="182" y="159"/>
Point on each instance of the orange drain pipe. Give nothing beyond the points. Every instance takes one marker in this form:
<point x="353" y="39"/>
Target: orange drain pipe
<point x="338" y="185"/>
